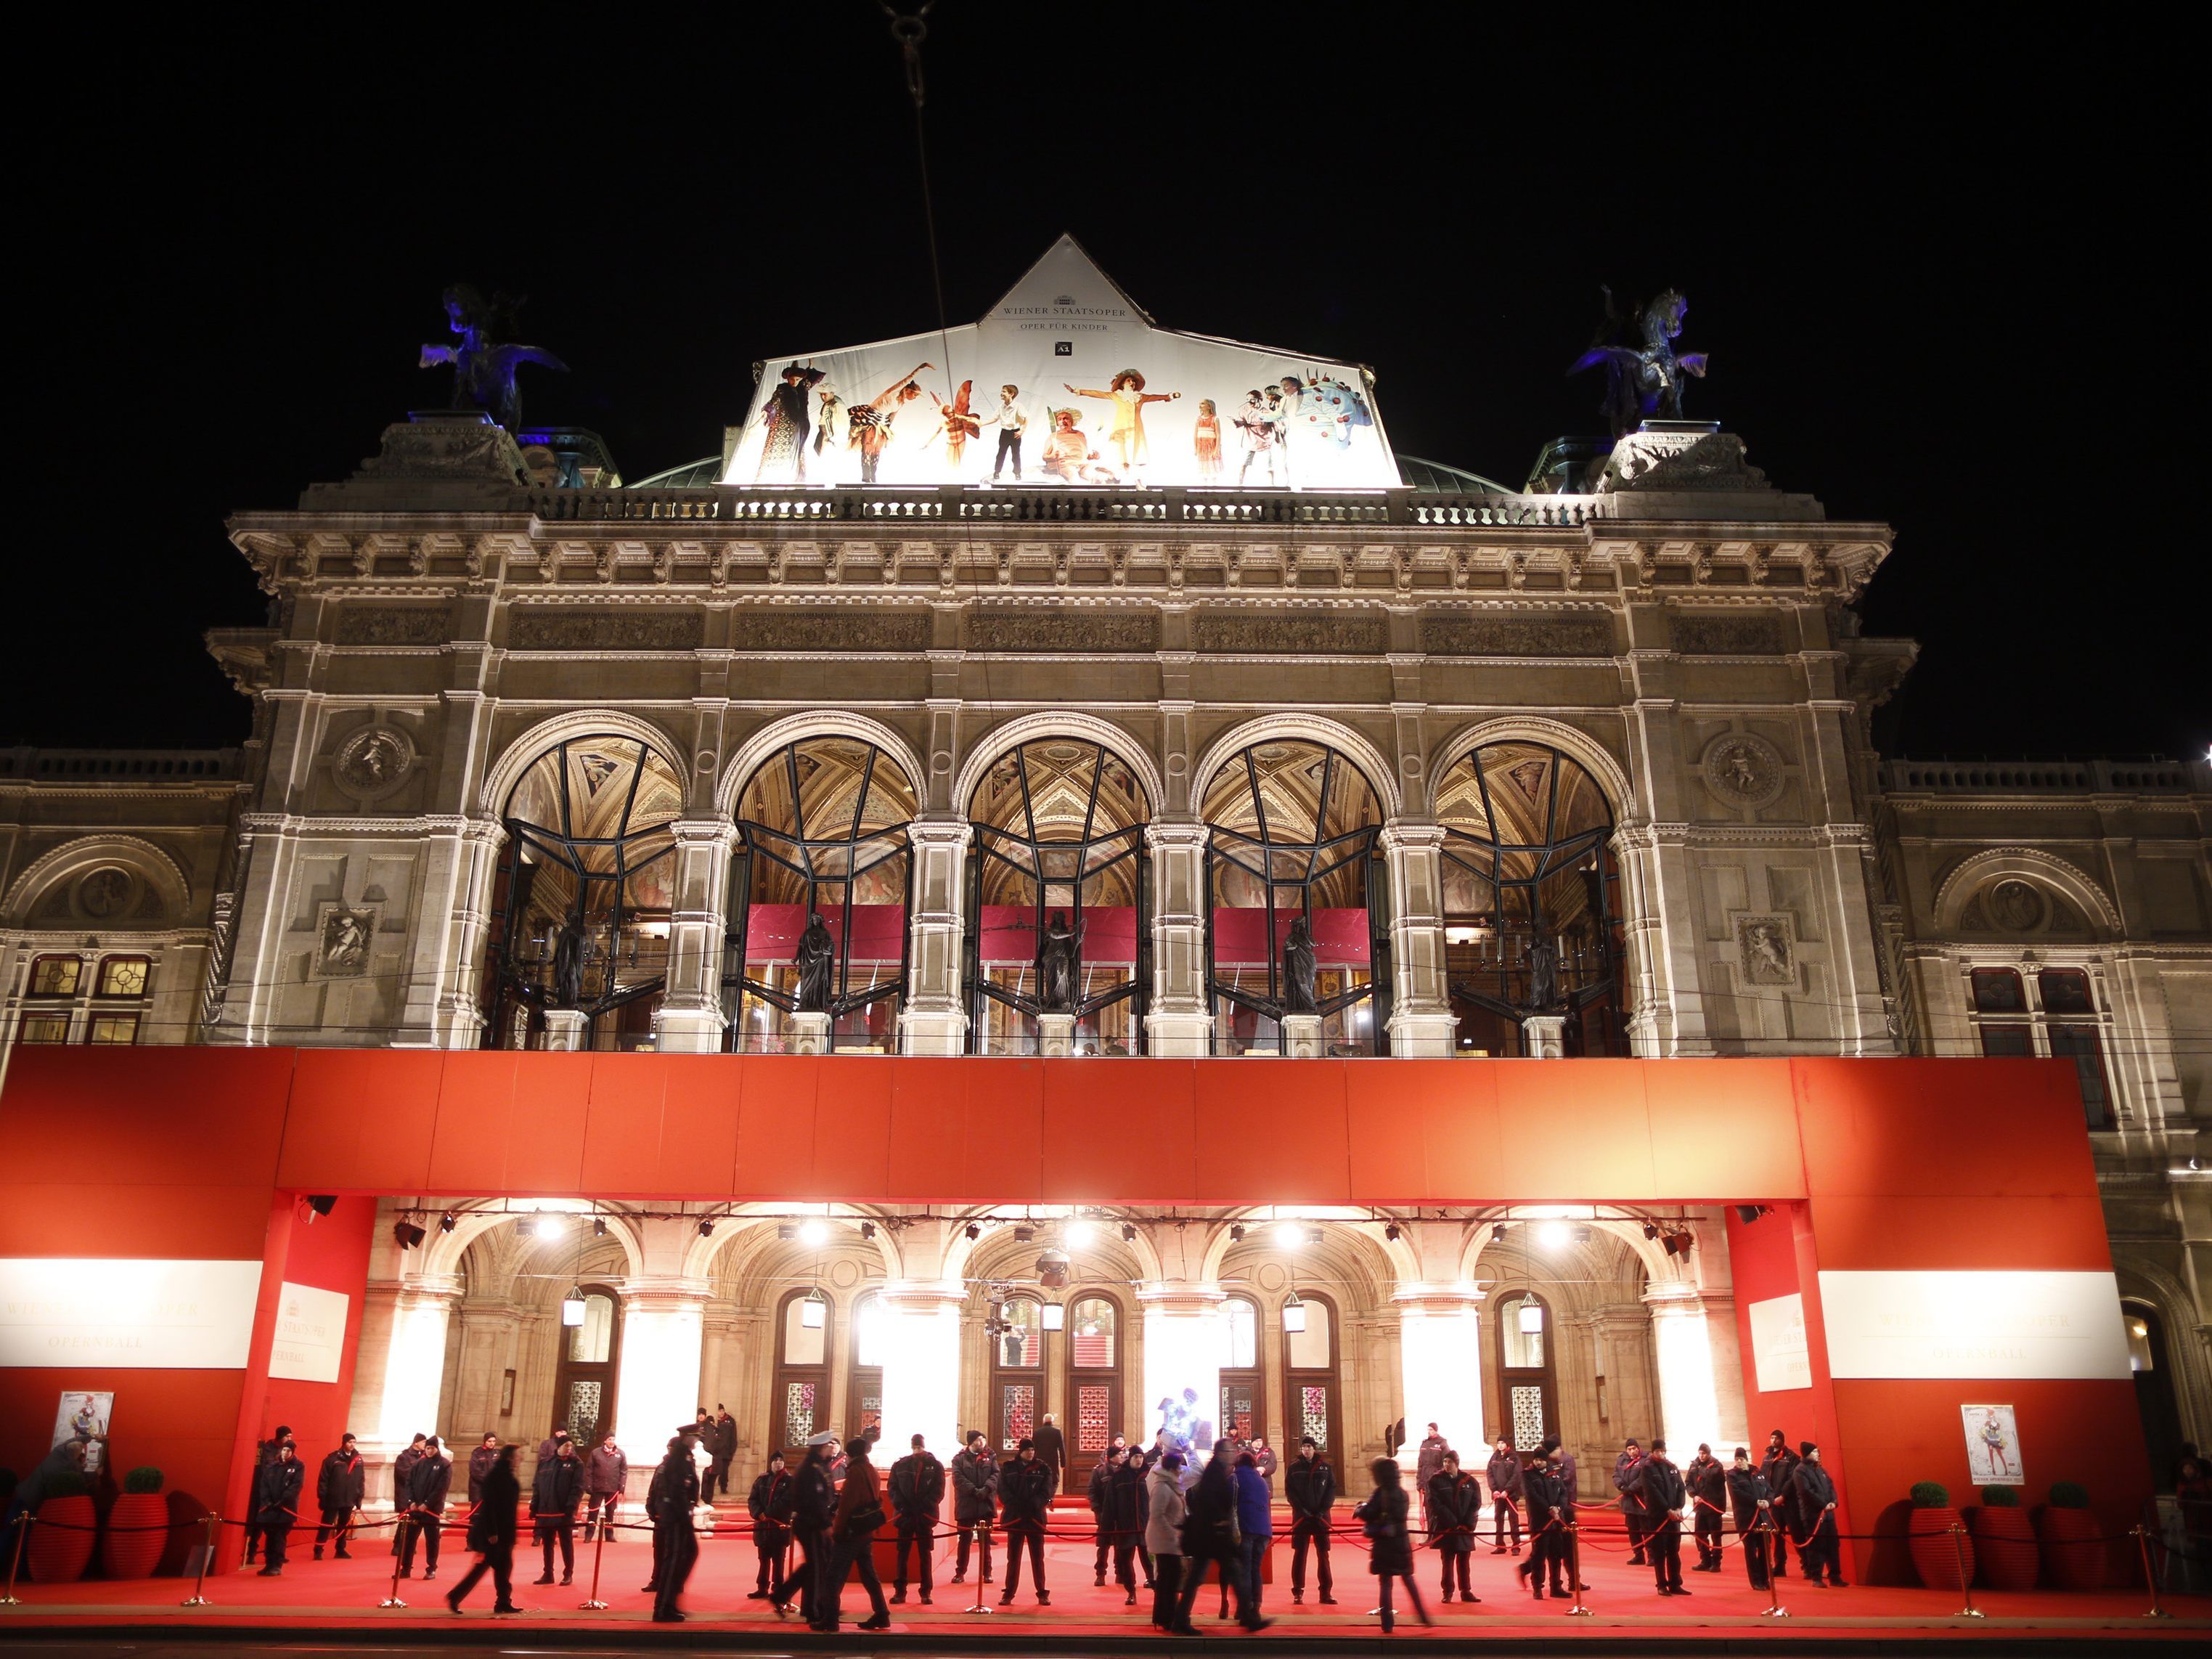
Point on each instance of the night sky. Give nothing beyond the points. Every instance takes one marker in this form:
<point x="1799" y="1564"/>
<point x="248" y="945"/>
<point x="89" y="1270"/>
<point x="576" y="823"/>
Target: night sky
<point x="1938" y="269"/>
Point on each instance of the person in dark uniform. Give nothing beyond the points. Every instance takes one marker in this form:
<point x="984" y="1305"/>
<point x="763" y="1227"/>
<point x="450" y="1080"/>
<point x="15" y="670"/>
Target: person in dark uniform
<point x="725" y="1448"/>
<point x="1025" y="1489"/>
<point x="263" y="1454"/>
<point x="1812" y="1508"/>
<point x="1750" y="1501"/>
<point x="480" y="1465"/>
<point x="814" y="1500"/>
<point x="917" y="1494"/>
<point x="853" y="1526"/>
<point x="975" y="1474"/>
<point x="1310" y="1484"/>
<point x="1052" y="1450"/>
<point x="556" y="1495"/>
<point x="1125" y="1516"/>
<point x="403" y="1473"/>
<point x="1383" y="1515"/>
<point x="277" y="1486"/>
<point x="339" y="1489"/>
<point x="1708" y="1488"/>
<point x="1660" y="1495"/>
<point x="669" y="1502"/>
<point x="769" y="1502"/>
<point x="1102" y="1476"/>
<point x="605" y="1474"/>
<point x="1454" y="1509"/>
<point x="1627" y="1482"/>
<point x="493" y="1527"/>
<point x="1544" y="1491"/>
<point x="1504" y="1476"/>
<point x="1779" y="1464"/>
<point x="428" y="1485"/>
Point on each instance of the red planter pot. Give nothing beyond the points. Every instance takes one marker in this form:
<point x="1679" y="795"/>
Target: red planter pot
<point x="2004" y="1544"/>
<point x="59" y="1552"/>
<point x="1934" y="1557"/>
<point x="2073" y="1548"/>
<point x="124" y="1552"/>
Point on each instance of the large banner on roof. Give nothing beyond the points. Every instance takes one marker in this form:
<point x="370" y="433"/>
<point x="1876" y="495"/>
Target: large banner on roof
<point x="1065" y="382"/>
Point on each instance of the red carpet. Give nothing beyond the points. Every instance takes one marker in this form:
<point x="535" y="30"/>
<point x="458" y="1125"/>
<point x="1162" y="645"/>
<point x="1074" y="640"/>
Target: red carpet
<point x="322" y="1595"/>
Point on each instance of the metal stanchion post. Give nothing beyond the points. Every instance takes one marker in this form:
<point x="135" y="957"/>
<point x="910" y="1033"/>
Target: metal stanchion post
<point x="399" y="1554"/>
<point x="591" y="1603"/>
<point x="982" y="1545"/>
<point x="1575" y="1572"/>
<point x="198" y="1597"/>
<point x="15" y="1560"/>
<point x="1965" y="1577"/>
<point x="1774" y="1609"/>
<point x="2142" y="1542"/>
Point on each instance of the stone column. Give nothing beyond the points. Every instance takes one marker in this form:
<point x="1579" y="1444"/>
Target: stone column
<point x="1440" y="1365"/>
<point x="1689" y="1401"/>
<point x="1422" y="1023"/>
<point x="1183" y="1342"/>
<point x="1177" y="1022"/>
<point x="663" y="1331"/>
<point x="690" y="1021"/>
<point x="459" y="1015"/>
<point x="921" y="1364"/>
<point x="567" y="1029"/>
<point x="414" y="1360"/>
<point x="934" y="1020"/>
<point x="1546" y="1035"/>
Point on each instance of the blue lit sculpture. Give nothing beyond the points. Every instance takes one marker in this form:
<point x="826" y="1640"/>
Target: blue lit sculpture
<point x="1643" y="379"/>
<point x="483" y="368"/>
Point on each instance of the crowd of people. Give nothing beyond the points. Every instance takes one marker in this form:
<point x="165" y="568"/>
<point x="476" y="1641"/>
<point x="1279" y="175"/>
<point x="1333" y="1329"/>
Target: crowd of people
<point x="1162" y="1516"/>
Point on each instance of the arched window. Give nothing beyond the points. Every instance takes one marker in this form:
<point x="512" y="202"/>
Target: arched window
<point x="823" y="831"/>
<point x="800" y="1406"/>
<point x="1093" y="1346"/>
<point x="1313" y="1384"/>
<point x="1526" y="1377"/>
<point x="1015" y="1331"/>
<point x="863" y="1377"/>
<point x="2155" y="1402"/>
<point x="1243" y="1379"/>
<point x="1532" y="899"/>
<point x="1292" y="829"/>
<point x="580" y="907"/>
<point x="1058" y="849"/>
<point x="587" y="1368"/>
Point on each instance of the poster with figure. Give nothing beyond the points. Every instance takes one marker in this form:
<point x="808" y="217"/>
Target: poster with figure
<point x="1993" y="1446"/>
<point x="86" y="1415"/>
<point x="1066" y="382"/>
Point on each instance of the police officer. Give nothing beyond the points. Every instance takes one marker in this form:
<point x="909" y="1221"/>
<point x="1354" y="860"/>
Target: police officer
<point x="669" y="1500"/>
<point x="917" y="1494"/>
<point x="338" y="1493"/>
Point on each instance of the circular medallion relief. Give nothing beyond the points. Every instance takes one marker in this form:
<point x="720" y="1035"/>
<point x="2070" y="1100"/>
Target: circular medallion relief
<point x="373" y="762"/>
<point x="2015" y="906"/>
<point x="106" y="892"/>
<point x="1742" y="770"/>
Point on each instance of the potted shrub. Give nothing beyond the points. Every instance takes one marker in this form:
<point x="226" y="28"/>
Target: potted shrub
<point x="2004" y="1540"/>
<point x="137" y="1528"/>
<point x="2073" y="1552"/>
<point x="61" y="1542"/>
<point x="1938" y="1553"/>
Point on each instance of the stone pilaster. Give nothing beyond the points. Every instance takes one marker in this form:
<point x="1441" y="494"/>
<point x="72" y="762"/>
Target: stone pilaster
<point x="1440" y="1364"/>
<point x="663" y="1333"/>
<point x="689" y="1020"/>
<point x="1178" y="1020"/>
<point x="1422" y="1023"/>
<point x="934" y="1020"/>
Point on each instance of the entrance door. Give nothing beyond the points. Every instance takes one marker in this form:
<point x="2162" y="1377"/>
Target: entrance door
<point x="1243" y="1386"/>
<point x="1525" y="1372"/>
<point x="1094" y="1383"/>
<point x="1017" y="1374"/>
<point x="2154" y="1402"/>
<point x="800" y="1408"/>
<point x="584" y="1376"/>
<point x="1313" y="1393"/>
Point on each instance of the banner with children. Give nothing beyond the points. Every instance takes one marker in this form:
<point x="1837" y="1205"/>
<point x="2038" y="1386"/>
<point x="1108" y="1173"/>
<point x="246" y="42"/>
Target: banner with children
<point x="1065" y="382"/>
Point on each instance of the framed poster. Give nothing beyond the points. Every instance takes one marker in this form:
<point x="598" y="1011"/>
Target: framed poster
<point x="1993" y="1446"/>
<point x="88" y="1414"/>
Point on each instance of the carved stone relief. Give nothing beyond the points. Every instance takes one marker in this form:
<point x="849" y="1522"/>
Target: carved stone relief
<point x="1680" y="460"/>
<point x="1766" y="950"/>
<point x="373" y="762"/>
<point x="105" y="894"/>
<point x="2015" y="906"/>
<point x="1055" y="630"/>
<point x="394" y="624"/>
<point x="1505" y="637"/>
<point x="1721" y="634"/>
<point x="829" y="630"/>
<point x="1352" y="636"/>
<point x="545" y="629"/>
<point x="1742" y="770"/>
<point x="342" y="936"/>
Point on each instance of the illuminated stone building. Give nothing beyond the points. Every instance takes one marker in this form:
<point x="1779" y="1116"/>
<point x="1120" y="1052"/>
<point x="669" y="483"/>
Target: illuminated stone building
<point x="1558" y="774"/>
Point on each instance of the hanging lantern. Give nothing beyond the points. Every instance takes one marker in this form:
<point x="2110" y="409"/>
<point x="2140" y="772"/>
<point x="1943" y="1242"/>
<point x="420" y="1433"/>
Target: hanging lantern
<point x="814" y="1312"/>
<point x="1294" y="1315"/>
<point x="1055" y="1316"/>
<point x="572" y="1307"/>
<point x="1531" y="1318"/>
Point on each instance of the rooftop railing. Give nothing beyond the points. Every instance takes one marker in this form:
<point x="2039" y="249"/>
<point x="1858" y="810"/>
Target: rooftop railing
<point x="2034" y="776"/>
<point x="120" y="765"/>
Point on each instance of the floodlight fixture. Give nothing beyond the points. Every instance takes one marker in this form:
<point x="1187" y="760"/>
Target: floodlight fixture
<point x="787" y="1229"/>
<point x="1080" y="1232"/>
<point x="548" y="1226"/>
<point x="1748" y="1214"/>
<point x="1677" y="1244"/>
<point x="1289" y="1235"/>
<point x="1651" y="1230"/>
<point x="706" y="1226"/>
<point x="973" y="1231"/>
<point x="599" y="1226"/>
<point x="407" y="1234"/>
<point x="1128" y="1232"/>
<point x="1024" y="1233"/>
<point x="814" y="1232"/>
<point x="1393" y="1232"/>
<point x="448" y="1222"/>
<point x="1237" y="1233"/>
<point x="320" y="1204"/>
<point x="1555" y="1234"/>
<point x="868" y="1230"/>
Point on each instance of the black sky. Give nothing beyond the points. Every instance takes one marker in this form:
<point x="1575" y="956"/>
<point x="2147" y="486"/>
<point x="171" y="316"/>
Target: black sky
<point x="1938" y="265"/>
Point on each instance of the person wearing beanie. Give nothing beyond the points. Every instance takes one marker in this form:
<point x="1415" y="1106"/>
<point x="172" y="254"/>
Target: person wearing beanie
<point x="1025" y="1489"/>
<point x="1752" y="1505"/>
<point x="1660" y="1494"/>
<point x="917" y="1494"/>
<point x="1708" y="1488"/>
<point x="1778" y="1468"/>
<point x="1812" y="1510"/>
<point x="263" y="1454"/>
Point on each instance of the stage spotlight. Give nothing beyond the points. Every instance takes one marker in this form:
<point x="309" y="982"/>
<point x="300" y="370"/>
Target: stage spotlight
<point x="1555" y="1234"/>
<point x="1289" y="1235"/>
<point x="973" y="1231"/>
<point x="814" y="1232"/>
<point x="1079" y="1233"/>
<point x="1651" y="1230"/>
<point x="1313" y="1235"/>
<point x="320" y="1204"/>
<point x="1024" y="1234"/>
<point x="408" y="1234"/>
<point x="1237" y="1233"/>
<point x="787" y="1229"/>
<point x="1677" y="1244"/>
<point x="1128" y="1233"/>
<point x="706" y="1226"/>
<point x="868" y="1230"/>
<point x="1051" y="1270"/>
<point x="1748" y="1214"/>
<point x="548" y="1226"/>
<point x="448" y="1222"/>
<point x="1393" y="1232"/>
<point x="599" y="1226"/>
